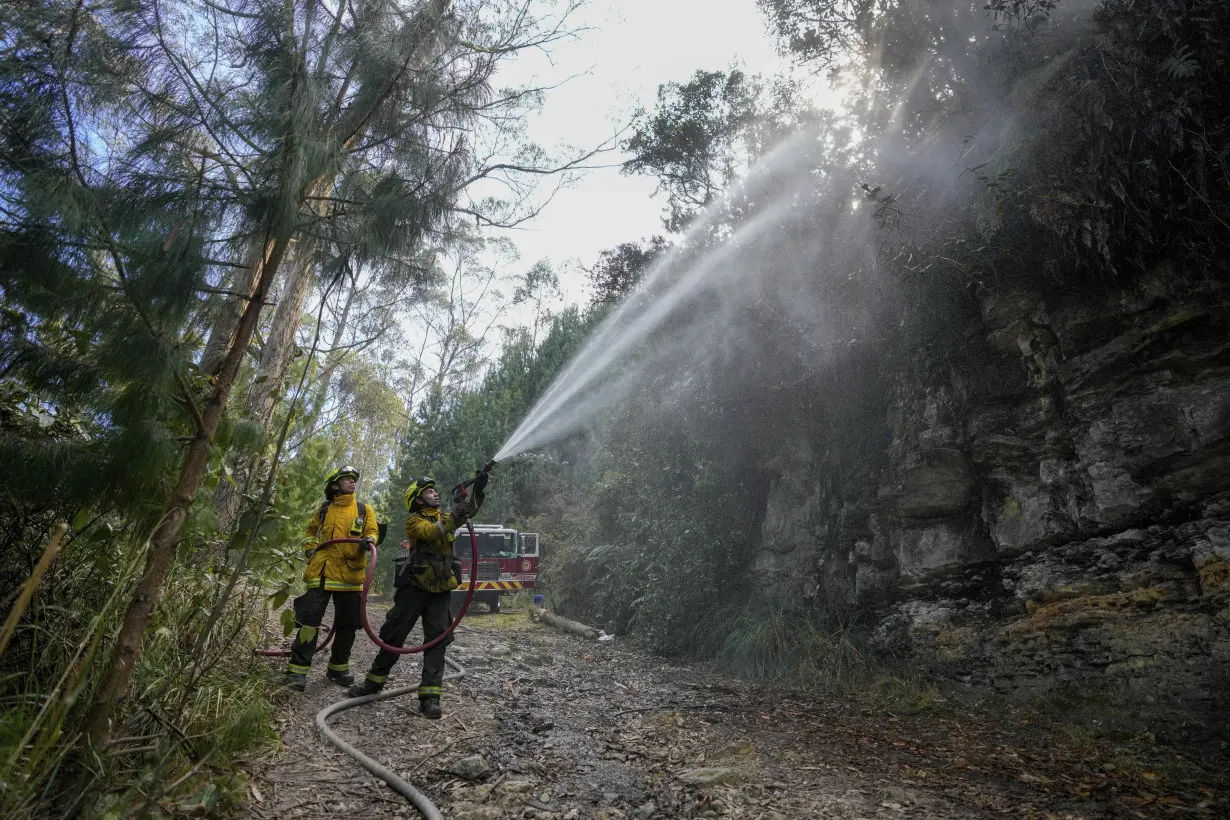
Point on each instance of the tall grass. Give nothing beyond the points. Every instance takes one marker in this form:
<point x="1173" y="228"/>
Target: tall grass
<point x="817" y="650"/>
<point x="802" y="647"/>
<point x="69" y="625"/>
<point x="187" y="717"/>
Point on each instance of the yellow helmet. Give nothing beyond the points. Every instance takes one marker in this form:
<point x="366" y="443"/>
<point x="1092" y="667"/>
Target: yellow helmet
<point x="337" y="475"/>
<point x="416" y="489"/>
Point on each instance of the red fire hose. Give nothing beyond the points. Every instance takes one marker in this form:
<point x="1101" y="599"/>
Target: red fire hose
<point x="285" y="653"/>
<point x="410" y="650"/>
<point x="367" y="584"/>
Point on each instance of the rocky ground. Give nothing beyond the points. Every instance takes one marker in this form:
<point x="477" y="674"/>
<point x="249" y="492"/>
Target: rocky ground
<point x="549" y="725"/>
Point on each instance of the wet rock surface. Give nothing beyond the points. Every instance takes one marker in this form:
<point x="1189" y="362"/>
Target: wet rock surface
<point x="573" y="729"/>
<point x="1044" y="510"/>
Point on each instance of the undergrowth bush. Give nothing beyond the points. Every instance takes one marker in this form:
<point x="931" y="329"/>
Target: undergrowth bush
<point x="193" y="711"/>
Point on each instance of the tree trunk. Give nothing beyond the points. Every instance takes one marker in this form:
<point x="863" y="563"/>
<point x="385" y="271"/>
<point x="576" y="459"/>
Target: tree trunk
<point x="267" y="383"/>
<point x="556" y="621"/>
<point x="166" y="535"/>
<point x="325" y="377"/>
<point x="275" y="358"/>
<point x="226" y="317"/>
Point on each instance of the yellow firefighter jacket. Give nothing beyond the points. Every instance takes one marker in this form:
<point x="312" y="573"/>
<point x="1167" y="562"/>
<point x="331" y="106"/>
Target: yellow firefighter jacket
<point x="431" y="565"/>
<point x="339" y="567"/>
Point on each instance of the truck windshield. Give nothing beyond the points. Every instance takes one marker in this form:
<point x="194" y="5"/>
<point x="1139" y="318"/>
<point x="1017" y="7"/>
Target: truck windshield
<point x="496" y="545"/>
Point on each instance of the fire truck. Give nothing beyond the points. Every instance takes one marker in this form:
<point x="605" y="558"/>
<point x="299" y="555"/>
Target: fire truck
<point x="507" y="561"/>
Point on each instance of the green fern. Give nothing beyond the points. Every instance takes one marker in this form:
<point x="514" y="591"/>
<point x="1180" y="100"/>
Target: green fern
<point x="1181" y="64"/>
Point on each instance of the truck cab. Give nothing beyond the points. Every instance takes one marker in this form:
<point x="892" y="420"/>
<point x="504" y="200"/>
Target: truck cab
<point x="507" y="562"/>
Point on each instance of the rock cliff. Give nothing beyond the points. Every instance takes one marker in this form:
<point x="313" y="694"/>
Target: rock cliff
<point x="1044" y="505"/>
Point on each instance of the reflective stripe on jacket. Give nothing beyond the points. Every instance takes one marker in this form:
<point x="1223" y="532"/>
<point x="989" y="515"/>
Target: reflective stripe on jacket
<point x="339" y="567"/>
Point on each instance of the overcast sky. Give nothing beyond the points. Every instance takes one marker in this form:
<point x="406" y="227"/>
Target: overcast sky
<point x="635" y="45"/>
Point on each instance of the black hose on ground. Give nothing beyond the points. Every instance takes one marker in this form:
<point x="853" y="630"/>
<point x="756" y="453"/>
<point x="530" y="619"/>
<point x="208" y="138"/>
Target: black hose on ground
<point x="398" y="784"/>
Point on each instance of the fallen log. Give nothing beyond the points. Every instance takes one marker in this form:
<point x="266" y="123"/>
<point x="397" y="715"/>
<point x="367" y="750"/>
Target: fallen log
<point x="556" y="621"/>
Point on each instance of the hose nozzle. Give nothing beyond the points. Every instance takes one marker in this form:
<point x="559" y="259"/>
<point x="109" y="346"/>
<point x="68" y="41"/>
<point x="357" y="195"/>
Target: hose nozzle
<point x="481" y="476"/>
<point x="478" y="483"/>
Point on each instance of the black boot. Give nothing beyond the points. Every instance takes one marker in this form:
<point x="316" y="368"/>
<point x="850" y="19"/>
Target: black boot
<point x="367" y="687"/>
<point x="342" y="677"/>
<point x="430" y="707"/>
<point x="295" y="681"/>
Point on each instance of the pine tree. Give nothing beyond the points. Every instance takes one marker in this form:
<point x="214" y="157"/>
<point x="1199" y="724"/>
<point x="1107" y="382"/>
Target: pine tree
<point x="102" y="264"/>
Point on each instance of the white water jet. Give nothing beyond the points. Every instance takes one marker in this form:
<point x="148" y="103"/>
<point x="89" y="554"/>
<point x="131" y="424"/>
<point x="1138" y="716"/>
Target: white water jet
<point x="736" y="270"/>
<point x="791" y="268"/>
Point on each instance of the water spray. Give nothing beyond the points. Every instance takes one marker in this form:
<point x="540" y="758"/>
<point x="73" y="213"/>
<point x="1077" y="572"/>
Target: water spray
<point x="660" y="334"/>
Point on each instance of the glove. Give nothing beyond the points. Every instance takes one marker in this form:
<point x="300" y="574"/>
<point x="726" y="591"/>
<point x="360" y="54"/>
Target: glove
<point x="462" y="511"/>
<point x="366" y="542"/>
<point x="309" y="553"/>
<point x="480" y="482"/>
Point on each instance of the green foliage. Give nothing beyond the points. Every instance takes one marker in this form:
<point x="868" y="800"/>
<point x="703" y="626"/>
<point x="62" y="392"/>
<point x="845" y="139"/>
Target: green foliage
<point x="1132" y="164"/>
<point x="103" y="265"/>
<point x="209" y="708"/>
<point x="449" y="441"/>
<point x="220" y="698"/>
<point x="1094" y="146"/>
<point x="705" y="133"/>
<point x="821" y="32"/>
<point x="664" y="528"/>
<point x="301" y="488"/>
<point x="620" y="269"/>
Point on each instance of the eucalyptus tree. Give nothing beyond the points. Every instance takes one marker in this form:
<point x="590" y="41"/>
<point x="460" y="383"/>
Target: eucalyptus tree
<point x="365" y="318"/>
<point x="452" y="131"/>
<point x="538" y="289"/>
<point x="705" y="133"/>
<point x="618" y="270"/>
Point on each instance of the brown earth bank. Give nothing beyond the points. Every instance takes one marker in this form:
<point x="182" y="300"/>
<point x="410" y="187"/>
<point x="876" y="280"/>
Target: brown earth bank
<point x="570" y="729"/>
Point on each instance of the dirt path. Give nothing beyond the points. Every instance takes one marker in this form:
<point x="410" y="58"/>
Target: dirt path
<point x="572" y="730"/>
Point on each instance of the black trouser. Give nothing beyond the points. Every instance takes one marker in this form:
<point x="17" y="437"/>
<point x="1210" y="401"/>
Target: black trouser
<point x="309" y="612"/>
<point x="409" y="604"/>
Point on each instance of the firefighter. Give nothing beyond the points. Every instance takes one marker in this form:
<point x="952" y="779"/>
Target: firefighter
<point x="426" y="575"/>
<point x="335" y="571"/>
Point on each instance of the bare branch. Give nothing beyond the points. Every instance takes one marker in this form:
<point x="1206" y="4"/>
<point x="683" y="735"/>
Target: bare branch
<point x="232" y="12"/>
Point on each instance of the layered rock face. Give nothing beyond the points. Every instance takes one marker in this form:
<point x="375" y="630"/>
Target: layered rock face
<point x="1049" y="506"/>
